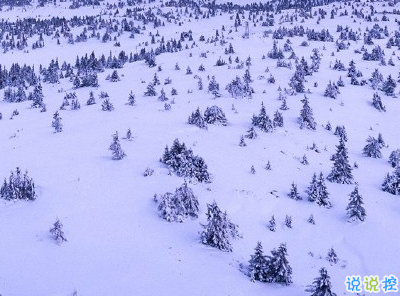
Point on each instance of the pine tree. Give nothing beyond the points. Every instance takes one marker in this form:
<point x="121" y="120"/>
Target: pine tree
<point x="278" y="269"/>
<point x="242" y="143"/>
<point x="162" y="97"/>
<point x="197" y="119"/>
<point x="37" y="96"/>
<point x="91" y="99"/>
<point x="114" y="76"/>
<point x="131" y="99"/>
<point x="262" y="120"/>
<point x="251" y="133"/>
<point x="215" y="115"/>
<point x="311" y="219"/>
<point x="331" y="90"/>
<point x="317" y="191"/>
<point x="394" y="158"/>
<point x="258" y="264"/>
<point x="272" y="224"/>
<point x="150" y="92"/>
<point x="56" y="123"/>
<point x="219" y="231"/>
<point x="321" y="285"/>
<point x="373" y="148"/>
<point x="341" y="171"/>
<point x="115" y="147"/>
<point x="294" y="194"/>
<point x="355" y="209"/>
<point x="377" y="103"/>
<point x="278" y="119"/>
<point x="288" y="221"/>
<point x="306" y="116"/>
<point x="107" y="105"/>
<point x="57" y="232"/>
<point x="389" y="86"/>
<point x="213" y="87"/>
<point x="332" y="257"/>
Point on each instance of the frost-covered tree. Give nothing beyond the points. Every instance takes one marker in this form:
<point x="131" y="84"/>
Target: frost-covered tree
<point x="178" y="206"/>
<point x="288" y="221"/>
<point x="373" y="148"/>
<point x="355" y="209"/>
<point x="294" y="194"/>
<point x="278" y="119"/>
<point x="131" y="99"/>
<point x="377" y="103"/>
<point x="215" y="115"/>
<point x="219" y="230"/>
<point x="115" y="147"/>
<point x="332" y="90"/>
<point x="151" y="91"/>
<point x="272" y="224"/>
<point x="57" y="232"/>
<point x="37" y="97"/>
<point x="251" y="133"/>
<point x="106" y="105"/>
<point x="262" y="120"/>
<point x="18" y="187"/>
<point x="197" y="119"/>
<point x="242" y="142"/>
<point x="340" y="131"/>
<point x="278" y="269"/>
<point x="306" y="116"/>
<point x="317" y="191"/>
<point x="236" y="88"/>
<point x="213" y="87"/>
<point x="321" y="285"/>
<point x="114" y="76"/>
<point x="391" y="183"/>
<point x="389" y="86"/>
<point x="376" y="79"/>
<point x="311" y="219"/>
<point x="162" y="96"/>
<point x="332" y="257"/>
<point x="394" y="158"/>
<point x="56" y="123"/>
<point x="91" y="99"/>
<point x="258" y="264"/>
<point x="341" y="171"/>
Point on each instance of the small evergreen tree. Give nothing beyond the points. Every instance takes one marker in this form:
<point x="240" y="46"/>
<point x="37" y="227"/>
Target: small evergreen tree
<point x="215" y="115"/>
<point x="341" y="171"/>
<point x="389" y="86"/>
<point x="278" y="269"/>
<point x="131" y="99"/>
<point x="219" y="230"/>
<point x="251" y="133"/>
<point x="242" y="143"/>
<point x="394" y="158"/>
<point x="115" y="147"/>
<point x="391" y="183"/>
<point x="306" y="116"/>
<point x="355" y="209"/>
<point x="311" y="219"/>
<point x="321" y="286"/>
<point x="57" y="232"/>
<point x="332" y="257"/>
<point x="278" y="119"/>
<point x="262" y="120"/>
<point x="114" y="76"/>
<point x="272" y="224"/>
<point x="106" y="105"/>
<point x="91" y="99"/>
<point x="377" y="103"/>
<point x="197" y="119"/>
<point x="294" y="194"/>
<point x="258" y="264"/>
<point x="56" y="123"/>
<point x="288" y="221"/>
<point x="373" y="148"/>
<point x="151" y="91"/>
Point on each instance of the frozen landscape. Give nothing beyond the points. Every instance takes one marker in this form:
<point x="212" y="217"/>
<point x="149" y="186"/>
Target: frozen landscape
<point x="169" y="139"/>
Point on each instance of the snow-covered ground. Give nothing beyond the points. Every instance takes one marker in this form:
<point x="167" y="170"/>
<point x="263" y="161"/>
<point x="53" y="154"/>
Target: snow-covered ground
<point x="117" y="243"/>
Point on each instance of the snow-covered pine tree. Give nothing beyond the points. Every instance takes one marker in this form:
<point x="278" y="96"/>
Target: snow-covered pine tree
<point x="251" y="133"/>
<point x="189" y="201"/>
<point x="242" y="142"/>
<point x="278" y="269"/>
<point x="294" y="194"/>
<point x="91" y="99"/>
<point x="197" y="119"/>
<point x="151" y="91"/>
<point x="391" y="183"/>
<point x="321" y="285"/>
<point x="341" y="170"/>
<point x="272" y="224"/>
<point x="213" y="87"/>
<point x="115" y="147"/>
<point x="114" y="76"/>
<point x="389" y="86"/>
<point x="106" y="105"/>
<point x="219" y="230"/>
<point x="376" y="79"/>
<point x="215" y="115"/>
<point x="332" y="257"/>
<point x="306" y="116"/>
<point x="373" y="148"/>
<point x="394" y="158"/>
<point x="18" y="187"/>
<point x="37" y="96"/>
<point x="56" y="123"/>
<point x="312" y="190"/>
<point x="311" y="219"/>
<point x="262" y="120"/>
<point x="377" y="103"/>
<point x="258" y="264"/>
<point x="288" y="221"/>
<point x="131" y="99"/>
<point x="331" y="90"/>
<point x="340" y="131"/>
<point x="278" y="119"/>
<point x="57" y="232"/>
<point x="355" y="209"/>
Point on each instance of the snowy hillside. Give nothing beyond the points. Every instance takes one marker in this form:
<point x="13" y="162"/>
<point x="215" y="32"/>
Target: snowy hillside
<point x="117" y="242"/>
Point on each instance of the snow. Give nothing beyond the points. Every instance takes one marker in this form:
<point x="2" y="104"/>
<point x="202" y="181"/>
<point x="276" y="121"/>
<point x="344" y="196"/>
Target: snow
<point x="117" y="243"/>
